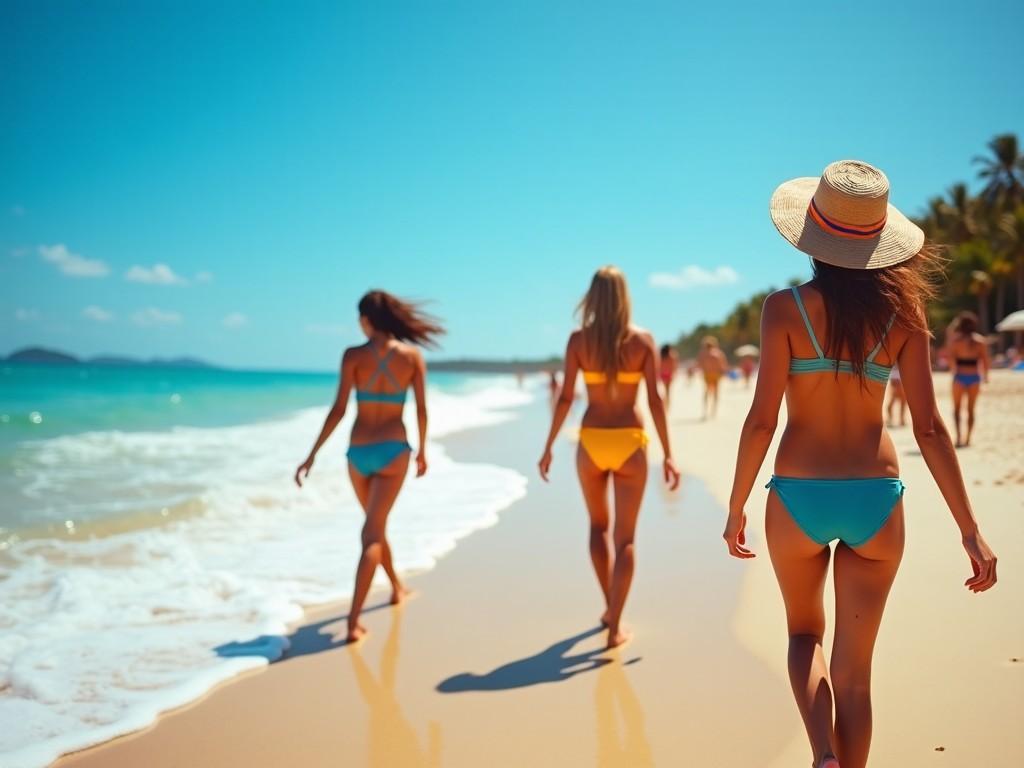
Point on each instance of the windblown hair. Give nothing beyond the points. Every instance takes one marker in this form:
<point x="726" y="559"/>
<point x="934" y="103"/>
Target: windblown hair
<point x="860" y="302"/>
<point x="402" y="319"/>
<point x="966" y="323"/>
<point x="604" y="315"/>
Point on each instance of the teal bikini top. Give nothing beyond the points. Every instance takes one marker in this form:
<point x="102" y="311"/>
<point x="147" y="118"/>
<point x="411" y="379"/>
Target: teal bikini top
<point x="366" y="396"/>
<point x="821" y="364"/>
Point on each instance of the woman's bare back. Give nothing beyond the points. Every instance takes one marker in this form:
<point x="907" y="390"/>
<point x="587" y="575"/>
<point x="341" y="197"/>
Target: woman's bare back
<point x="367" y="364"/>
<point x="614" y="406"/>
<point x="835" y="426"/>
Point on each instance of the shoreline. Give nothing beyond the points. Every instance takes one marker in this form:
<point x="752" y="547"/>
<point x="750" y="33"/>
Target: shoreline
<point x="498" y="659"/>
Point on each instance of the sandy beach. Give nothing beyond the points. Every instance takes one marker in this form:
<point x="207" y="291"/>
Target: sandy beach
<point x="498" y="659"/>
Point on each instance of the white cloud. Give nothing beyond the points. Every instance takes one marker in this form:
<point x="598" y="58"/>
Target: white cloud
<point x="204" y="277"/>
<point x="235" y="320"/>
<point x="18" y="210"/>
<point x="151" y="316"/>
<point x="327" y="329"/>
<point x="23" y="315"/>
<point x="98" y="314"/>
<point x="158" y="274"/>
<point x="692" y="276"/>
<point x="71" y="264"/>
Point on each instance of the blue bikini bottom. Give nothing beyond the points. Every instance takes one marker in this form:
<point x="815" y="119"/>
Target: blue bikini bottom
<point x="371" y="458"/>
<point x="967" y="379"/>
<point x="851" y="510"/>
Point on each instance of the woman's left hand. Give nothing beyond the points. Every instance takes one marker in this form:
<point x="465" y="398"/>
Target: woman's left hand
<point x="303" y="471"/>
<point x="421" y="464"/>
<point x="544" y="465"/>
<point x="735" y="536"/>
<point x="671" y="474"/>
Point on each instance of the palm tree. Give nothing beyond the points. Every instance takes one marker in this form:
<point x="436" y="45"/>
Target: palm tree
<point x="1003" y="172"/>
<point x="981" y="286"/>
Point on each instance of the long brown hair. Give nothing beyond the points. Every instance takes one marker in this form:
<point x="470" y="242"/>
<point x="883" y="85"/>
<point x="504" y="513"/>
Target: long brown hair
<point x="966" y="323"/>
<point x="860" y="302"/>
<point x="604" y="315"/>
<point x="404" y="320"/>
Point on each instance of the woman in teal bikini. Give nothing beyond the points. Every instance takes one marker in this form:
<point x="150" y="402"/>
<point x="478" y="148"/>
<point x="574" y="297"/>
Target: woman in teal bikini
<point x="381" y="371"/>
<point x="828" y="347"/>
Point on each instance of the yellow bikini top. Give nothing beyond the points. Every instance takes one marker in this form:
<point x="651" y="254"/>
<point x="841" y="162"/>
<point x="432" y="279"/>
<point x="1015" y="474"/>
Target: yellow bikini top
<point x="623" y="377"/>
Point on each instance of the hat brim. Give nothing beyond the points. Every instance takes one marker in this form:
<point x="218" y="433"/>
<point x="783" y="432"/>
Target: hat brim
<point x="900" y="239"/>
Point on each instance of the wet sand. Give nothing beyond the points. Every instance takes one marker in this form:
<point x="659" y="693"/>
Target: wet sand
<point x="498" y="660"/>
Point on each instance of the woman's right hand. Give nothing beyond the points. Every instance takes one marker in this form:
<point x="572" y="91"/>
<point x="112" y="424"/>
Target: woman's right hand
<point x="544" y="465"/>
<point x="983" y="563"/>
<point x="303" y="471"/>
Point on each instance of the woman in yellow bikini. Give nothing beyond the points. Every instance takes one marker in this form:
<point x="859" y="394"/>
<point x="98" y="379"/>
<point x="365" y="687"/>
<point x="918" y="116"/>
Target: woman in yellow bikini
<point x="614" y="357"/>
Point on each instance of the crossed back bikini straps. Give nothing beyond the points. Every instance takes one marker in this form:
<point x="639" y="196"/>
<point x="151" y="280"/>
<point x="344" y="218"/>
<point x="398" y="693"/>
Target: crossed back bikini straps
<point x="365" y="395"/>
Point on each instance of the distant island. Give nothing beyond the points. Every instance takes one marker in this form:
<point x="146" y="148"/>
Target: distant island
<point x="496" y="366"/>
<point x="44" y="356"/>
<point x="55" y="357"/>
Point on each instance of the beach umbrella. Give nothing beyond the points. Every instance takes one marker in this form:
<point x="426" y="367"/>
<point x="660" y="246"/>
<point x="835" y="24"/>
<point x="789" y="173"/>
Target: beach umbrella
<point x="747" y="350"/>
<point x="1012" y="322"/>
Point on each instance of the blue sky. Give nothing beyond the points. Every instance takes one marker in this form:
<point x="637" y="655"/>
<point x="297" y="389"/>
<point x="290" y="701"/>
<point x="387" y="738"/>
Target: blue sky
<point x="226" y="179"/>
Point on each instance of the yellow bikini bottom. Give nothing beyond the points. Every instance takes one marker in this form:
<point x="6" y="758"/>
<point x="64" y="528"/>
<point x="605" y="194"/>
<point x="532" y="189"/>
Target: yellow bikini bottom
<point x="609" y="448"/>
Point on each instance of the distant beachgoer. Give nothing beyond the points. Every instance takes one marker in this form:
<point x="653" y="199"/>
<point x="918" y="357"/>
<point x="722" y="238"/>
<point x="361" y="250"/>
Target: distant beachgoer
<point x="691" y="369"/>
<point x="553" y="386"/>
<point x="713" y="364"/>
<point x="668" y="361"/>
<point x="747" y="367"/>
<point x="968" y="354"/>
<point x="615" y="357"/>
<point x="828" y="347"/>
<point x="381" y="372"/>
<point x="896" y="396"/>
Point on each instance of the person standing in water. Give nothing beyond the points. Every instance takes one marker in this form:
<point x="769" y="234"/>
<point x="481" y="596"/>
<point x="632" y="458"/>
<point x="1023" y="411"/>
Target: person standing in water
<point x="828" y="347"/>
<point x="381" y="371"/>
<point x="713" y="364"/>
<point x="614" y="357"/>
<point x="668" y="362"/>
<point x="967" y="353"/>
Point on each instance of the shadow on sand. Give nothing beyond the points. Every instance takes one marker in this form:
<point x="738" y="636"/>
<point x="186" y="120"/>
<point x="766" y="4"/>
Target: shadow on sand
<point x="552" y="665"/>
<point x="310" y="638"/>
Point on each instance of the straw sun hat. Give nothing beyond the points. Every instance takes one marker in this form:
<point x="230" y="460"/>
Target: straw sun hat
<point x="844" y="218"/>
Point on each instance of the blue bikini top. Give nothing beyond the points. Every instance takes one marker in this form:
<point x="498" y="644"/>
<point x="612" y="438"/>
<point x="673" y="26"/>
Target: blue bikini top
<point x="366" y="396"/>
<point x="821" y="364"/>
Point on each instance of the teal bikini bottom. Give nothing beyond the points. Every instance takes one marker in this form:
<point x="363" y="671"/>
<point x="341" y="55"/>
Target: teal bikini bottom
<point x="851" y="510"/>
<point x="371" y="458"/>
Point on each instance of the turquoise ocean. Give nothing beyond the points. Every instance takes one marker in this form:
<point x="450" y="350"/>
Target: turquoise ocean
<point x="148" y="518"/>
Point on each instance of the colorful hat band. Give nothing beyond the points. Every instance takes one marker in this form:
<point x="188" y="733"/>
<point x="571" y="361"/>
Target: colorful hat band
<point x="852" y="231"/>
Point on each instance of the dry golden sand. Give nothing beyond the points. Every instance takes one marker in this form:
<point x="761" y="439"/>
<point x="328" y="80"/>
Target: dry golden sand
<point x="497" y="661"/>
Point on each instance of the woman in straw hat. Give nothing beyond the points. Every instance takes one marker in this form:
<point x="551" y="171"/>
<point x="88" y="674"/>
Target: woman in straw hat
<point x="828" y="346"/>
<point x="614" y="358"/>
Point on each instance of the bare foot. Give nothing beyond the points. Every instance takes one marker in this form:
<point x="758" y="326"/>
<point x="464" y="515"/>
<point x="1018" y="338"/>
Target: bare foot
<point x="399" y="594"/>
<point x="355" y="633"/>
<point x="618" y="637"/>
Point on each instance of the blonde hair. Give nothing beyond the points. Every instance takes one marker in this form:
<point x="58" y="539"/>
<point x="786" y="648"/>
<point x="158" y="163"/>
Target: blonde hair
<point x="604" y="316"/>
<point x="709" y="341"/>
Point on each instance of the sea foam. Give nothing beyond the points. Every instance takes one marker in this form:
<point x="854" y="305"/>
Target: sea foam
<point x="98" y="636"/>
